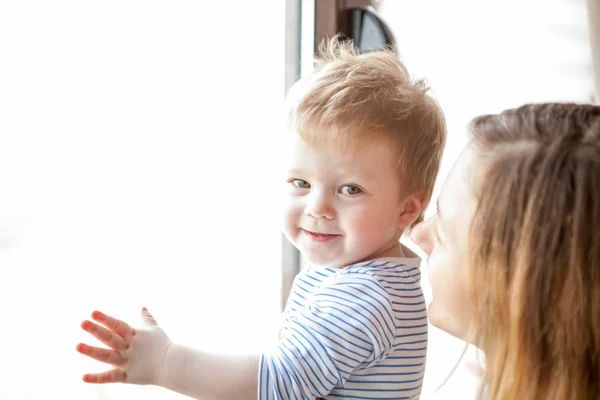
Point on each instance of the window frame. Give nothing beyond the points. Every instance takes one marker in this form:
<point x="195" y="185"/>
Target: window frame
<point x="308" y="22"/>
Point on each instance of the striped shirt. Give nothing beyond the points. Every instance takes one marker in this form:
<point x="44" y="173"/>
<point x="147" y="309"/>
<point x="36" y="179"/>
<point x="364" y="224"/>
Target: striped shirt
<point x="353" y="333"/>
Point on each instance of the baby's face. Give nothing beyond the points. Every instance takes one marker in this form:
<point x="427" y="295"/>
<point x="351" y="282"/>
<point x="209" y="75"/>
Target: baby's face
<point x="343" y="208"/>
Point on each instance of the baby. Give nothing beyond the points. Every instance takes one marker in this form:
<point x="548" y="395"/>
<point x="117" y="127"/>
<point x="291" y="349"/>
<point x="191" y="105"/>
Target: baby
<point x="365" y="146"/>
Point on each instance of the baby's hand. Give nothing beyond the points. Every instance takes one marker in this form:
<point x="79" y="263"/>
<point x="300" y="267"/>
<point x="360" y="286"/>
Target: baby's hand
<point x="137" y="355"/>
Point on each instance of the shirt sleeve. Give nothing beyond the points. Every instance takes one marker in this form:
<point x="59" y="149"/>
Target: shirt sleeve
<point x="346" y="324"/>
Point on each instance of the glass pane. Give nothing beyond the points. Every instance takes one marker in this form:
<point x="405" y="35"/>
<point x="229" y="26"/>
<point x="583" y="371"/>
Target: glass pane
<point x="137" y="169"/>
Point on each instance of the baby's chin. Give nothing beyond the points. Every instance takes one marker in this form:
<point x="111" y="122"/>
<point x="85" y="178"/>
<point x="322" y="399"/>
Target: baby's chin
<point x="331" y="265"/>
<point x="326" y="262"/>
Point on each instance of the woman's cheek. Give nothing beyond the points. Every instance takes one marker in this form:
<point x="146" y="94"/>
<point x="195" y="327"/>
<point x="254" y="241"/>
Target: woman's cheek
<point x="437" y="278"/>
<point x="437" y="261"/>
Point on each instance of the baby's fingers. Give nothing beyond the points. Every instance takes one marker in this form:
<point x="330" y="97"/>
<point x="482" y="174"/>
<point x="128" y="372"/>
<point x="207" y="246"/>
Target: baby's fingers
<point x="112" y="376"/>
<point x="148" y="318"/>
<point x="103" y="355"/>
<point x="107" y="337"/>
<point x="119" y="327"/>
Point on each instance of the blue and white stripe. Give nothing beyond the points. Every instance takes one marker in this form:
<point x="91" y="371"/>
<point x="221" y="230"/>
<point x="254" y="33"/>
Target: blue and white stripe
<point x="353" y="333"/>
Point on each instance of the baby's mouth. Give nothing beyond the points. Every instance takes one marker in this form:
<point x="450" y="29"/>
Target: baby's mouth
<point x="320" y="237"/>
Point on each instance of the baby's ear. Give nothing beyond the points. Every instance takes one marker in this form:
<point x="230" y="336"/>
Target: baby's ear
<point x="410" y="210"/>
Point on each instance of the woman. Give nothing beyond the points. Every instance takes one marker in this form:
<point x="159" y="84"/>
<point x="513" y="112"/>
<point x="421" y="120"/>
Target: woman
<point x="514" y="251"/>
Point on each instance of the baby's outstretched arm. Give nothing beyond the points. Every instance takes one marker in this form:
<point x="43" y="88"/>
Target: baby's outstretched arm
<point x="148" y="357"/>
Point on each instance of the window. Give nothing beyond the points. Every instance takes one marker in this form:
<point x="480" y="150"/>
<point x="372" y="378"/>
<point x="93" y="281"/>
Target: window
<point x="530" y="51"/>
<point x="136" y="150"/>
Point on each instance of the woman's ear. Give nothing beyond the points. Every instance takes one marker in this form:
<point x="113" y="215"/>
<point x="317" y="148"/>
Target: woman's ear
<point x="410" y="209"/>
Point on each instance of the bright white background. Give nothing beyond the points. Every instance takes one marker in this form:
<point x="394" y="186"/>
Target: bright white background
<point x="483" y="56"/>
<point x="136" y="166"/>
<point x="136" y="169"/>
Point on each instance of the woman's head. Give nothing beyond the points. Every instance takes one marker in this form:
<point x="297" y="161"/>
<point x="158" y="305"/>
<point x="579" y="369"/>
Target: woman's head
<point x="515" y="250"/>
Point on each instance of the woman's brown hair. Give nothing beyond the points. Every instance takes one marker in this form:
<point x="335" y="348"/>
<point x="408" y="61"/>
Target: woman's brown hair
<point x="535" y="266"/>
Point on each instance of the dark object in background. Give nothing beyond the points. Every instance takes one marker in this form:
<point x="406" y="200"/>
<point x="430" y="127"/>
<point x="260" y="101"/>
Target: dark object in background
<point x="368" y="31"/>
<point x="354" y="19"/>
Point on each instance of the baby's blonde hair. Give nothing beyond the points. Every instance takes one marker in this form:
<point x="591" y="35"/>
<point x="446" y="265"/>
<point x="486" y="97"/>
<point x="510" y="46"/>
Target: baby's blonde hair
<point x="352" y="97"/>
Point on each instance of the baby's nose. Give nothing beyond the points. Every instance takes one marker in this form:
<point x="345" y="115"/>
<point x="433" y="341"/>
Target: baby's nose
<point x="319" y="206"/>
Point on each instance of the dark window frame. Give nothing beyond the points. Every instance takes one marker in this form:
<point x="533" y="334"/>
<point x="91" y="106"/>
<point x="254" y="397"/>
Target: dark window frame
<point x="331" y="17"/>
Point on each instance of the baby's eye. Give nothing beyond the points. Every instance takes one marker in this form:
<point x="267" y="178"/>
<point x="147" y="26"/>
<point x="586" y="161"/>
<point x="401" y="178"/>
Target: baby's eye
<point x="351" y="190"/>
<point x="302" y="184"/>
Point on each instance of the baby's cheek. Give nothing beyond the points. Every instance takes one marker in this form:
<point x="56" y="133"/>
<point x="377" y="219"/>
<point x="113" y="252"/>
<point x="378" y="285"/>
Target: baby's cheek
<point x="290" y="217"/>
<point x="367" y="228"/>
